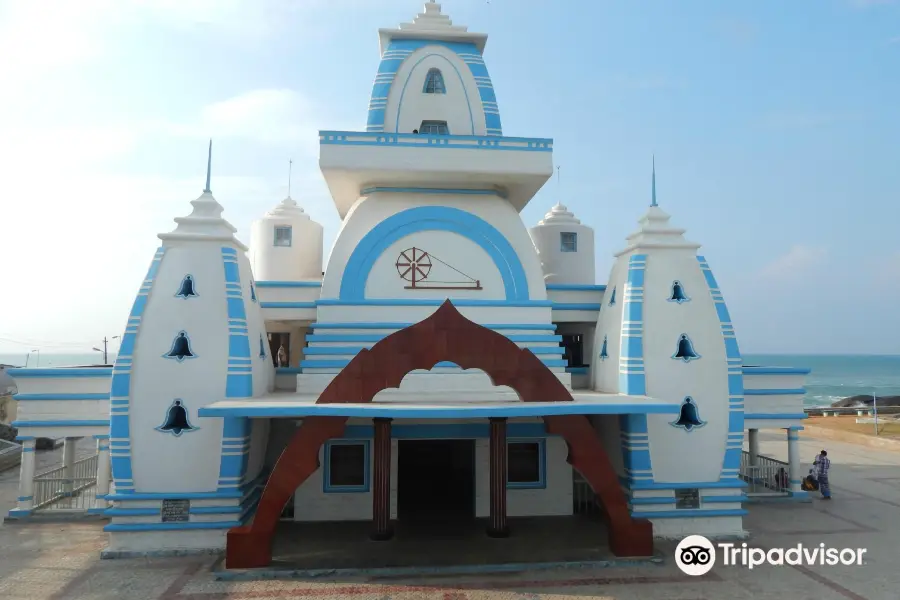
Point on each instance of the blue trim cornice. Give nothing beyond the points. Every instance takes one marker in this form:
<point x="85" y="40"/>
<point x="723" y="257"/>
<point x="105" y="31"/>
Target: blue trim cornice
<point x="288" y="284"/>
<point x="60" y="372"/>
<point x="433" y="218"/>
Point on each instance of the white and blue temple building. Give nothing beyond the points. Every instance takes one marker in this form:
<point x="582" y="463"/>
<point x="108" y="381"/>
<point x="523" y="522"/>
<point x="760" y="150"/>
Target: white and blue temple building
<point x="448" y="360"/>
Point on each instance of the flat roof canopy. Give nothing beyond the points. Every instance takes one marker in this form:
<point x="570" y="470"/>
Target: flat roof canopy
<point x="304" y="405"/>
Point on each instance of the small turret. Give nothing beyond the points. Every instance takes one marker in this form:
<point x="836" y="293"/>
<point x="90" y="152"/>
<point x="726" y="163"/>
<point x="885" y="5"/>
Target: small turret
<point x="565" y="247"/>
<point x="286" y="244"/>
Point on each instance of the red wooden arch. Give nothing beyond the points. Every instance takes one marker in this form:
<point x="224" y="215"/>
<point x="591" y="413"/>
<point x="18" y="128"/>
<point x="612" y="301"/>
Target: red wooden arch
<point x="444" y="336"/>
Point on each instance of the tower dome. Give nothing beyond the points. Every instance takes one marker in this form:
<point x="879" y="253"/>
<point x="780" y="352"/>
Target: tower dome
<point x="286" y="244"/>
<point x="565" y="247"/>
<point x="432" y="79"/>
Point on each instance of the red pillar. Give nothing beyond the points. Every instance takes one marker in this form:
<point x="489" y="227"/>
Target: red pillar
<point x="498" y="526"/>
<point x="381" y="482"/>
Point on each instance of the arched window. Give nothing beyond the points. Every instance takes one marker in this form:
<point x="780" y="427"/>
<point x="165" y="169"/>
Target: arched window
<point x="434" y="82"/>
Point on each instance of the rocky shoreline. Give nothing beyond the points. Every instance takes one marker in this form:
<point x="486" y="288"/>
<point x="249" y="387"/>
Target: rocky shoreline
<point x="867" y="401"/>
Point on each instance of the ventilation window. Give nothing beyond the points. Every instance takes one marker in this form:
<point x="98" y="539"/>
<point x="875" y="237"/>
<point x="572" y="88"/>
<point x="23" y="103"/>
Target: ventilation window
<point x="434" y="82"/>
<point x="347" y="466"/>
<point x="568" y="241"/>
<point x="283" y="236"/>
<point x="434" y="128"/>
<point x="525" y="464"/>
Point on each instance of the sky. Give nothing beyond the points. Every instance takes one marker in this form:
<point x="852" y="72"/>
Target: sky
<point x="774" y="125"/>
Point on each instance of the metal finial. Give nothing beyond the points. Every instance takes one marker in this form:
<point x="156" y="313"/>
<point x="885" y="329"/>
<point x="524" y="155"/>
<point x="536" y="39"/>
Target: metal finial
<point x="208" y="168"/>
<point x="290" y="168"/>
<point x="653" y="203"/>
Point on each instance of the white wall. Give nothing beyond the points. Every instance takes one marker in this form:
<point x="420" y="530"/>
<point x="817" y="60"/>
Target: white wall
<point x="607" y="427"/>
<point x="378" y="207"/>
<point x="461" y="100"/>
<point x="554" y="500"/>
<point x="606" y="372"/>
<point x="311" y="503"/>
<point x="445" y="248"/>
<point x="676" y="454"/>
<point x="263" y="368"/>
<point x="190" y="462"/>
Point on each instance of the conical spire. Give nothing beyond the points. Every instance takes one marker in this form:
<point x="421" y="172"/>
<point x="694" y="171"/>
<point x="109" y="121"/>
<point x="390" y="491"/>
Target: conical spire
<point x="206" y="190"/>
<point x="205" y="221"/>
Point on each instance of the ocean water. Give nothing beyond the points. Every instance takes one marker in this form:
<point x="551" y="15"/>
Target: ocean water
<point x="833" y="377"/>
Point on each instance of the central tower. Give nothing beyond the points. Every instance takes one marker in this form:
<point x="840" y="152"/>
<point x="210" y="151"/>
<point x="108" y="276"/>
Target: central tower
<point x="432" y="79"/>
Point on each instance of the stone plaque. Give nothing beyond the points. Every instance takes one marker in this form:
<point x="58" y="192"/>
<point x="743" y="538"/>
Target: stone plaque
<point x="176" y="511"/>
<point x="687" y="498"/>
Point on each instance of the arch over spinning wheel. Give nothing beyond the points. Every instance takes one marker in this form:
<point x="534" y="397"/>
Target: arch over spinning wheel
<point x="444" y="336"/>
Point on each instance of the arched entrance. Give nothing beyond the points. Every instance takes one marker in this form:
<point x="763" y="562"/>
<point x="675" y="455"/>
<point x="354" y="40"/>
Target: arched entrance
<point x="444" y="336"/>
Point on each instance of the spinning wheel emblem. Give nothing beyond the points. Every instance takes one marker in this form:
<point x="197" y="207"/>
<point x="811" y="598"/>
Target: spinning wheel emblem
<point x="413" y="265"/>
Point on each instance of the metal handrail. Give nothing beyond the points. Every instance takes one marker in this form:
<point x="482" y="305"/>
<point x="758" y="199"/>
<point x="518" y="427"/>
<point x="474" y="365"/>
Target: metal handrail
<point x="765" y="476"/>
<point x="54" y="489"/>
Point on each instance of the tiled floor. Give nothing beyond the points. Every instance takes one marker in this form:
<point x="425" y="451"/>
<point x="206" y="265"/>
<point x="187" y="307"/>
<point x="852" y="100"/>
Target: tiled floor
<point x="54" y="561"/>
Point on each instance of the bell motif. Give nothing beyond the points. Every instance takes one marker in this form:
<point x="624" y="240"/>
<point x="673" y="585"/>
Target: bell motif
<point x="689" y="417"/>
<point x="176" y="421"/>
<point x="262" y="347"/>
<point x="252" y="291"/>
<point x="685" y="349"/>
<point x="678" y="294"/>
<point x="603" y="354"/>
<point x="612" y="297"/>
<point x="187" y="290"/>
<point x="181" y="348"/>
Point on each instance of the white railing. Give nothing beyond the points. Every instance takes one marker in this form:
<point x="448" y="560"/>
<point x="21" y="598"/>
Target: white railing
<point x="57" y="490"/>
<point x="584" y="499"/>
<point x="765" y="476"/>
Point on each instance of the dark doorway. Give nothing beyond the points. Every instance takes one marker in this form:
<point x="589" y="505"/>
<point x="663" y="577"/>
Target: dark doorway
<point x="280" y="349"/>
<point x="435" y="479"/>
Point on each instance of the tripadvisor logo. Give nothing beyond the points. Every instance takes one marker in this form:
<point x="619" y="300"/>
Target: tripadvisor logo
<point x="695" y="555"/>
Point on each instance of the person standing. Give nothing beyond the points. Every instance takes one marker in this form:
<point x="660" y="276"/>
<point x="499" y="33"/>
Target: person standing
<point x="823" y="465"/>
<point x="282" y="356"/>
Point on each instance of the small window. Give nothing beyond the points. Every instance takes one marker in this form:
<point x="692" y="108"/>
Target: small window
<point x="687" y="498"/>
<point x="573" y="350"/>
<point x="434" y="128"/>
<point x="347" y="466"/>
<point x="434" y="82"/>
<point x="568" y="241"/>
<point x="283" y="236"/>
<point x="525" y="464"/>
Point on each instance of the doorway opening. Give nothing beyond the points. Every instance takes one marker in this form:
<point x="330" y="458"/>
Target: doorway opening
<point x="435" y="479"/>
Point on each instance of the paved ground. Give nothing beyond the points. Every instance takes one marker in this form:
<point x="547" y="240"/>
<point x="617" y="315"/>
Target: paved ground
<point x="55" y="561"/>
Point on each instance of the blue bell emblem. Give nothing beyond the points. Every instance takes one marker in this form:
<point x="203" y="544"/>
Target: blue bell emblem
<point x="187" y="288"/>
<point x="262" y="347"/>
<point x="685" y="349"/>
<point x="612" y="297"/>
<point x="678" y="294"/>
<point x="603" y="353"/>
<point x="689" y="416"/>
<point x="176" y="421"/>
<point x="181" y="348"/>
<point x="252" y="291"/>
